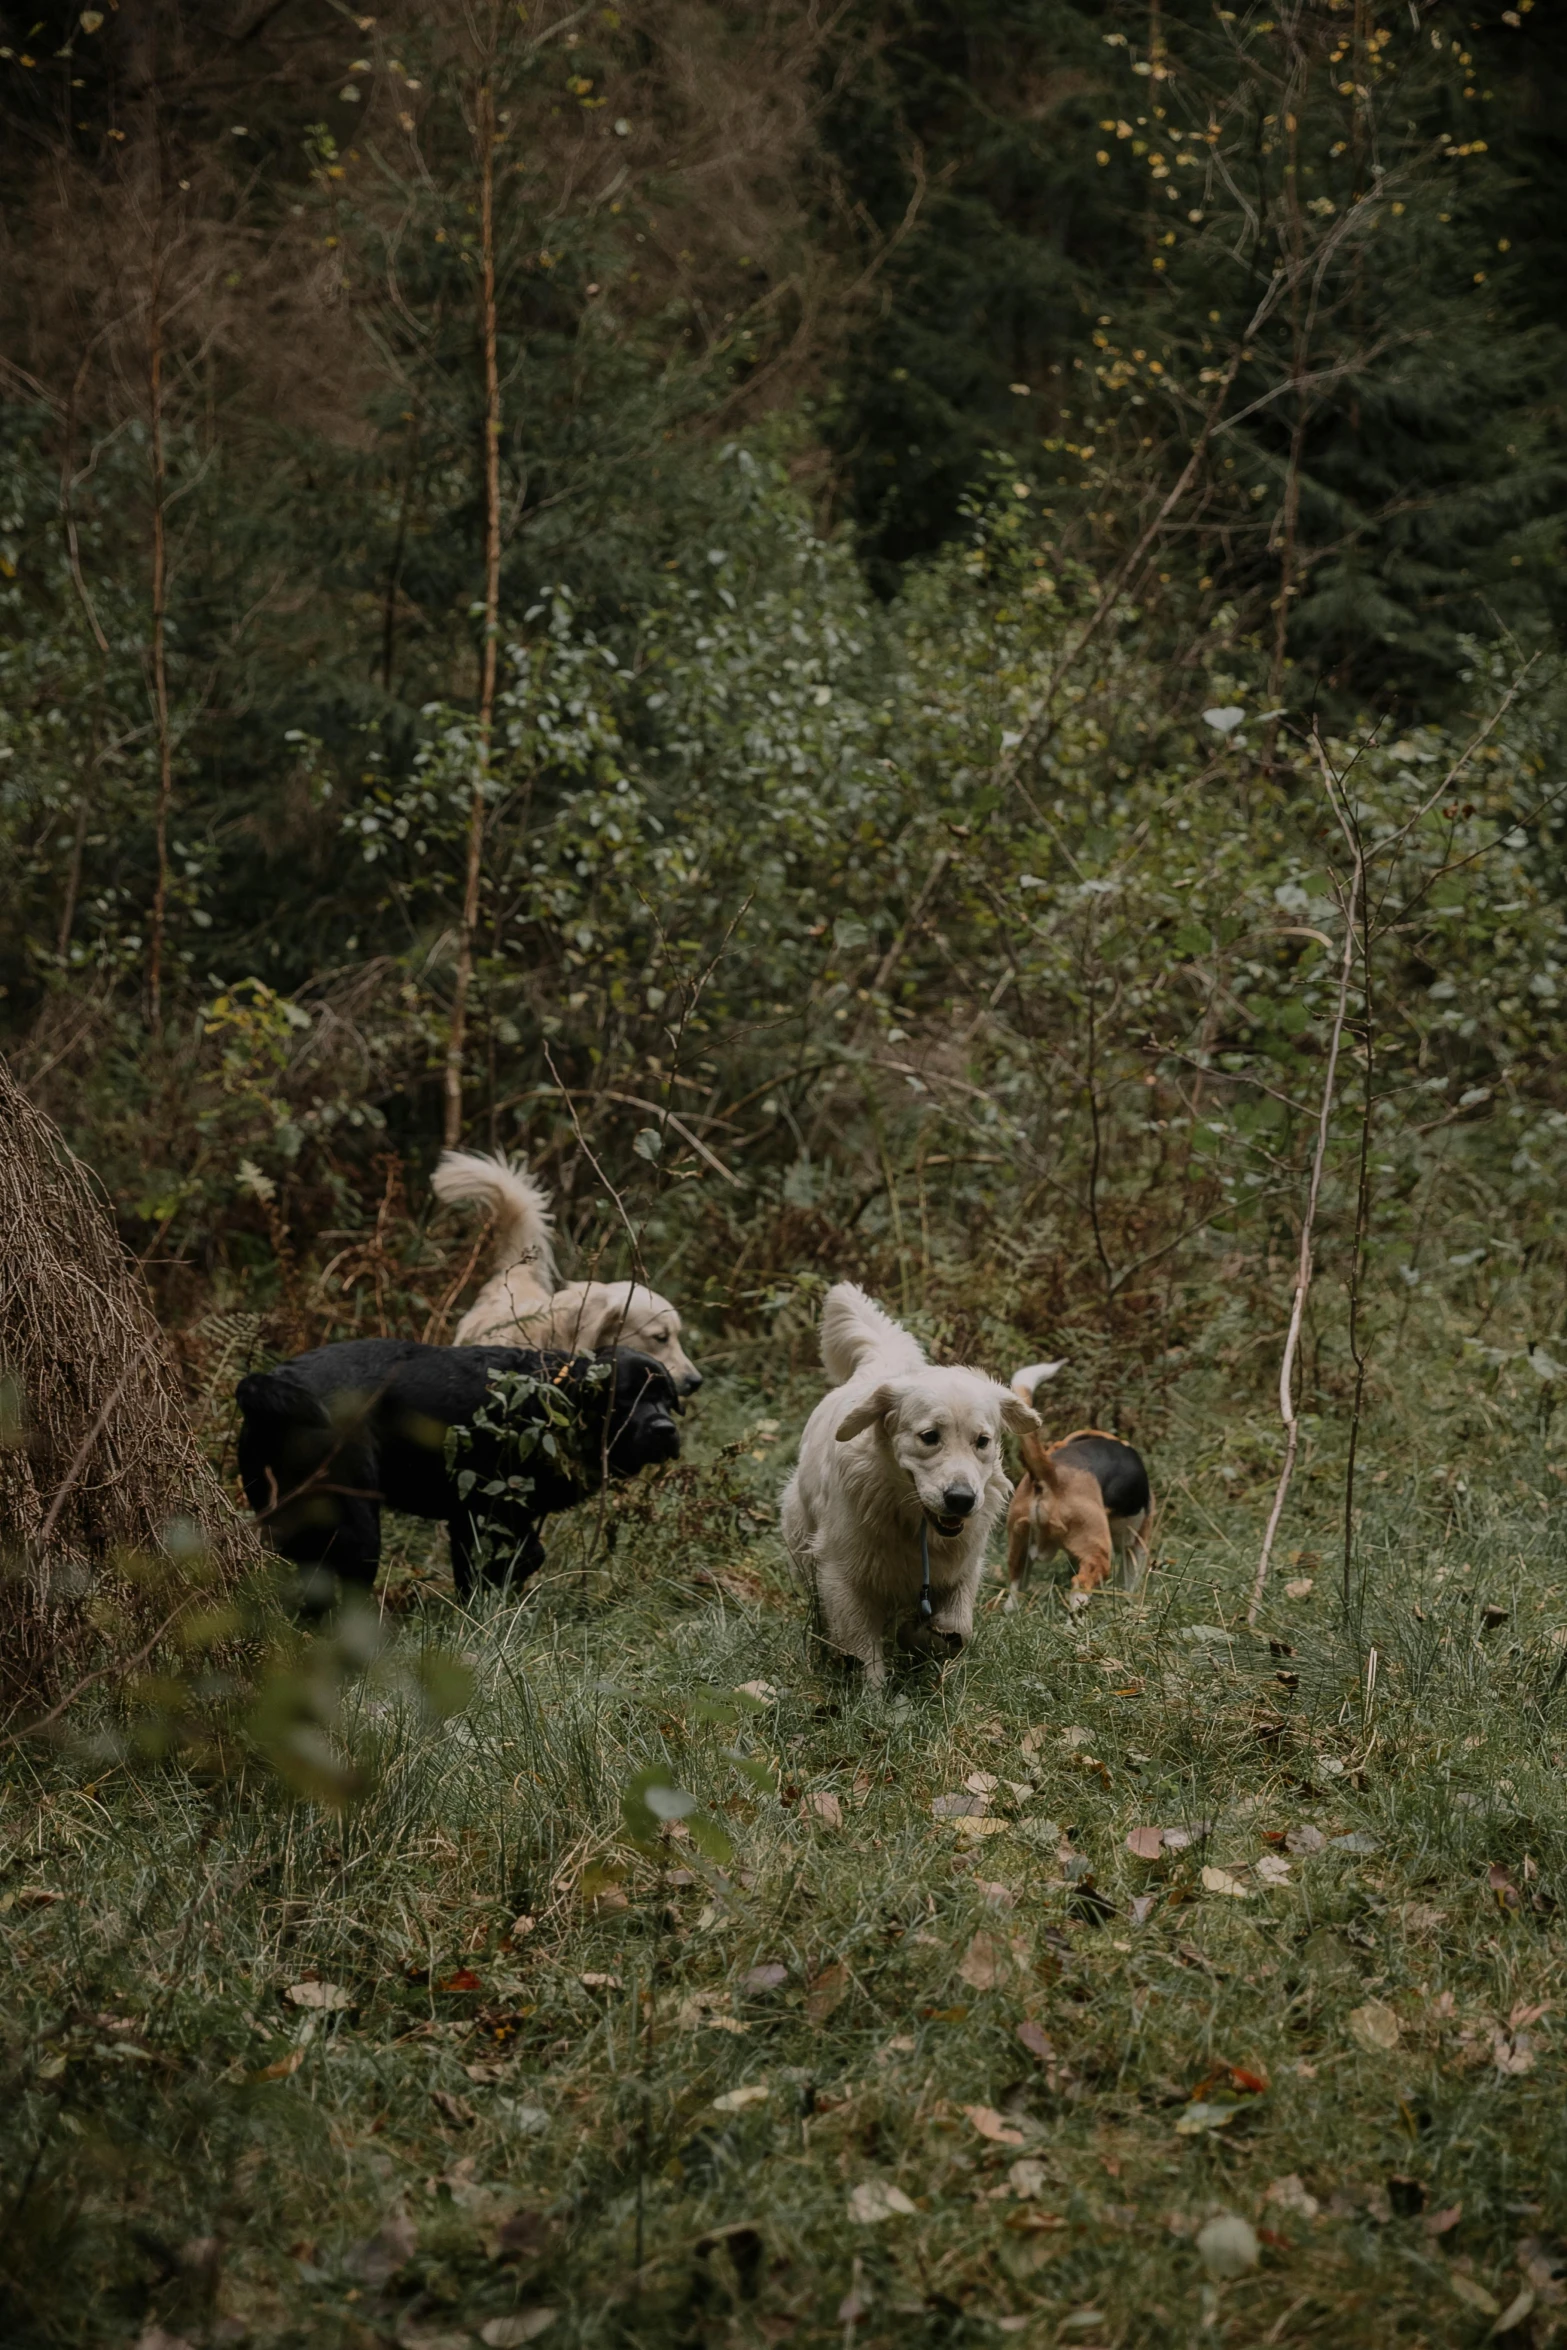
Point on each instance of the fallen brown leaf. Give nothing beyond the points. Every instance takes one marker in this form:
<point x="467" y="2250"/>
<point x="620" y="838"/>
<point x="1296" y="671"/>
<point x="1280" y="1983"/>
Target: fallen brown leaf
<point x="509" y="2333"/>
<point x="281" y="2070"/>
<point x="1515" y="2055"/>
<point x="993" y="2125"/>
<point x="877" y="2199"/>
<point x="329" y="1997"/>
<point x="986" y="1962"/>
<point x="377" y="2260"/>
<point x="1516" y="2311"/>
<point x="1375" y="2027"/>
<point x="827" y="1992"/>
<point x="1291" y="2194"/>
<point x="996" y="1895"/>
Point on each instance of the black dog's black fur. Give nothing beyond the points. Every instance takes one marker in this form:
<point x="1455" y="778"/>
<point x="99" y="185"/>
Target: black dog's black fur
<point x="332" y="1436"/>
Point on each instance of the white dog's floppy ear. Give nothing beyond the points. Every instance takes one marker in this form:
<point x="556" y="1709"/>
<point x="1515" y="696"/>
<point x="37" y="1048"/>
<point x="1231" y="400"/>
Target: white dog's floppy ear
<point x="599" y="1325"/>
<point x="876" y="1406"/>
<point x="1017" y="1415"/>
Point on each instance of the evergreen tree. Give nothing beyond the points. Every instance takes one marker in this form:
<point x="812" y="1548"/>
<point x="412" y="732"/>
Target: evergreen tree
<point x="1122" y="200"/>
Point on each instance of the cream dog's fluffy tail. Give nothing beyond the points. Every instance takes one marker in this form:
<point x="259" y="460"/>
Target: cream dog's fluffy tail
<point x="857" y="1336"/>
<point x="519" y="1203"/>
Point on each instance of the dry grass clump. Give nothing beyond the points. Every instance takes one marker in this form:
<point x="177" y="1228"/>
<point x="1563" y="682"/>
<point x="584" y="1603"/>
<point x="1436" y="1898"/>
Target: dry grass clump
<point x="97" y="1457"/>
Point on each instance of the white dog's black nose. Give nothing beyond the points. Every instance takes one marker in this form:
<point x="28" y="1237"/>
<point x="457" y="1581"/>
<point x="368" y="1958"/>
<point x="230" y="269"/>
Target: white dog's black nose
<point x="958" y="1500"/>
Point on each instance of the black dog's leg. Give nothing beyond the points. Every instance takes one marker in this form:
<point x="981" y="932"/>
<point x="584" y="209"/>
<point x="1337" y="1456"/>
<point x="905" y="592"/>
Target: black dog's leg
<point x="318" y="1505"/>
<point x="467" y="1541"/>
<point x="502" y="1552"/>
<point x="354" y="1552"/>
<point x="350" y="1555"/>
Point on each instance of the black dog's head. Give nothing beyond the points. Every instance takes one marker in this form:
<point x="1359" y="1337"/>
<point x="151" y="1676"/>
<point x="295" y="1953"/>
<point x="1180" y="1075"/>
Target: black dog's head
<point x="642" y="1430"/>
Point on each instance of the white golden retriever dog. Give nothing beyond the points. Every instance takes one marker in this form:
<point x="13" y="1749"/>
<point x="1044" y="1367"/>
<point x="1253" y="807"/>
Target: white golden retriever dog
<point x="901" y="1447"/>
<point x="520" y="1304"/>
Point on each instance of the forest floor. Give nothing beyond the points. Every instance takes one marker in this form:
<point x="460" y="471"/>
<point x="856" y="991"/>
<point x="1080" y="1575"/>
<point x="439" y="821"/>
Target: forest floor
<point x="937" y="2056"/>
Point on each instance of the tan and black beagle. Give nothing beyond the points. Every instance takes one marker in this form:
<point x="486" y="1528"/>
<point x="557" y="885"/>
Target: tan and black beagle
<point x="1087" y="1494"/>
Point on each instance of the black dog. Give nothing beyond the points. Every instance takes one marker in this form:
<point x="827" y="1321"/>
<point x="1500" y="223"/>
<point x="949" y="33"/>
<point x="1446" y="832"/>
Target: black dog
<point x="491" y="1438"/>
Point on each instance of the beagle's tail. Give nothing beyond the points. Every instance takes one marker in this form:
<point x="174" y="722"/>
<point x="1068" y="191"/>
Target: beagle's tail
<point x="1032" y="1446"/>
<point x="517" y="1200"/>
<point x="857" y="1336"/>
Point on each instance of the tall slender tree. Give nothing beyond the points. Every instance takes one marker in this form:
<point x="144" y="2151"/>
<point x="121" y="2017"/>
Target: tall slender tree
<point x="486" y="139"/>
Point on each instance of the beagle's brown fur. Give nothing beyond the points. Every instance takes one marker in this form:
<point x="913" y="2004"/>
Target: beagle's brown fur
<point x="1087" y="1494"/>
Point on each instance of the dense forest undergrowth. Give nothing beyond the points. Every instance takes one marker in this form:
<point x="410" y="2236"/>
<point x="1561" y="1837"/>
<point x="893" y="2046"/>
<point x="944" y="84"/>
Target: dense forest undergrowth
<point x="915" y="645"/>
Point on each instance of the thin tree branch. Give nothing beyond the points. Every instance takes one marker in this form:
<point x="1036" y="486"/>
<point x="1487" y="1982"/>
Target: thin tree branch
<point x="485" y="134"/>
<point x="1287" y="1411"/>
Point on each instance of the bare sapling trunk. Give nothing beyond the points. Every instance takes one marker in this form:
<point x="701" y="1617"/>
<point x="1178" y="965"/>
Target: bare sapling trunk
<point x="73" y="873"/>
<point x="1357" y="1350"/>
<point x="1288" y="520"/>
<point x="468" y="930"/>
<point x="1303" y="1272"/>
<point x="160" y="587"/>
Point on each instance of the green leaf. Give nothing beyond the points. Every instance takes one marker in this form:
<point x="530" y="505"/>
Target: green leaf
<point x="652" y="1802"/>
<point x="668" y="1803"/>
<point x="709" y="1838"/>
<point x="643" y="1822"/>
<point x="445" y="1683"/>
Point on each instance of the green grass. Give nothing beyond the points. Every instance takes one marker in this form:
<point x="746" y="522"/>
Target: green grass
<point x="505" y="2119"/>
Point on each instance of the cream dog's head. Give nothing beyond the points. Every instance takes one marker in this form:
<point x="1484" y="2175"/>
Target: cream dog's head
<point x="626" y="1313"/>
<point x="943" y="1430"/>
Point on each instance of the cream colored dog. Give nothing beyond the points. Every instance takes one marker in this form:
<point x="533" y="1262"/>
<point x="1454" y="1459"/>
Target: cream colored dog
<point x="901" y="1446"/>
<point x="520" y="1304"/>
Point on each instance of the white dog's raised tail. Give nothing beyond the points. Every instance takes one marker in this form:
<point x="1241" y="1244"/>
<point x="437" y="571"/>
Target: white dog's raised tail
<point x="519" y="1203"/>
<point x="856" y="1334"/>
<point x="1035" y="1375"/>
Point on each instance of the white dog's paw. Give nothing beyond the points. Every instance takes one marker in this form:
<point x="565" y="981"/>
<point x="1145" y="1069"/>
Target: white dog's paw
<point x="917" y="1638"/>
<point x="1011" y="1603"/>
